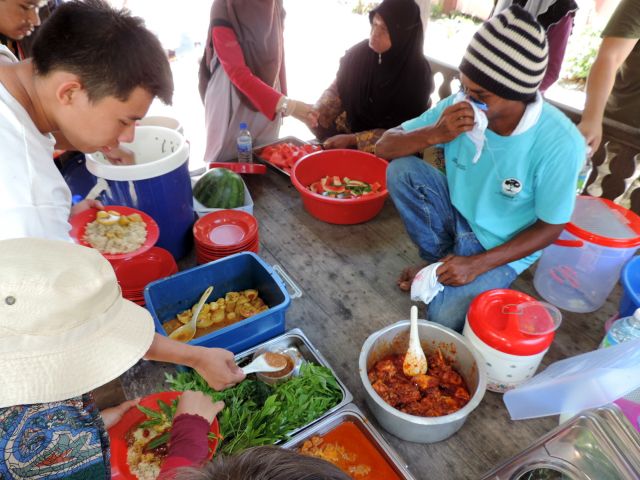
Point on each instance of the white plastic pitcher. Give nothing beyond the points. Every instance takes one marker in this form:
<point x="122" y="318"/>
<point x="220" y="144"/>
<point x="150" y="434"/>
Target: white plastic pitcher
<point x="579" y="270"/>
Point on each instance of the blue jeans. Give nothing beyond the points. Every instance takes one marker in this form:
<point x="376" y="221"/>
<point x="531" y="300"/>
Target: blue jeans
<point x="421" y="195"/>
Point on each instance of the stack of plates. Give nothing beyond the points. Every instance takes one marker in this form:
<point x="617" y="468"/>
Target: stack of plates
<point x="225" y="232"/>
<point x="135" y="273"/>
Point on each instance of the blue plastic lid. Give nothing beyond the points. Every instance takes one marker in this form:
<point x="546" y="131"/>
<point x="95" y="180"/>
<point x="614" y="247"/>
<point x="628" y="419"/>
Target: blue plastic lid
<point x="243" y="126"/>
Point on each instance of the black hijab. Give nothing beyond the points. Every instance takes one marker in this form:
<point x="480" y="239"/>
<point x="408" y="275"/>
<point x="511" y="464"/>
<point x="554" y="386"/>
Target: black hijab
<point x="384" y="91"/>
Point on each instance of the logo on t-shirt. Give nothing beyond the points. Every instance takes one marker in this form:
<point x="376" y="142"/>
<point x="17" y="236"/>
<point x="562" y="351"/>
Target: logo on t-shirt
<point x="511" y="187"/>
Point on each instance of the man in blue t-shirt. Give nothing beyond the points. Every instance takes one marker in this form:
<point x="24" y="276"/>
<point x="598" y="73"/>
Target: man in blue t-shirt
<point x="511" y="164"/>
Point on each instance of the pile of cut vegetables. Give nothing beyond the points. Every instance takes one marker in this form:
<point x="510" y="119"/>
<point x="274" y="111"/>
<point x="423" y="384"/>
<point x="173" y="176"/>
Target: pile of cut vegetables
<point x="336" y="187"/>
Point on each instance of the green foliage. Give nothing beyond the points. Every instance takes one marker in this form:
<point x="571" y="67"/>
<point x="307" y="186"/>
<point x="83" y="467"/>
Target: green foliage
<point x="580" y="55"/>
<point x="362" y="7"/>
<point x="260" y="414"/>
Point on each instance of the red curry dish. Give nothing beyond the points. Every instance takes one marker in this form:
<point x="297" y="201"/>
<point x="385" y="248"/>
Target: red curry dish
<point x="441" y="391"/>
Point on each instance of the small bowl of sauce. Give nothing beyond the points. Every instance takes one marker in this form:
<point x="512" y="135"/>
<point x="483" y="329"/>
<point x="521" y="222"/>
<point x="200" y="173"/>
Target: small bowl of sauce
<point x="291" y="360"/>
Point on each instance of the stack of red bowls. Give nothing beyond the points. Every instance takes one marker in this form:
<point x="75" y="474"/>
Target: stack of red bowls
<point x="136" y="272"/>
<point x="223" y="233"/>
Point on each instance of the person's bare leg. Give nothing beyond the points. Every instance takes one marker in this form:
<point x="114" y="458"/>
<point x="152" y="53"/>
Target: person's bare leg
<point x="407" y="276"/>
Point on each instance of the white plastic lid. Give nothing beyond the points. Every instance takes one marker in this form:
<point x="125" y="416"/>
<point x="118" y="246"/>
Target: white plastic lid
<point x="158" y="150"/>
<point x="576" y="383"/>
<point x="595" y="216"/>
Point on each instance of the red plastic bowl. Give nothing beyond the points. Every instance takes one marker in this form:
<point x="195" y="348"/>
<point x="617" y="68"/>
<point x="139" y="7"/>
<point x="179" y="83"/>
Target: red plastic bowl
<point x="343" y="163"/>
<point x="79" y="224"/>
<point x="133" y="417"/>
<point x="136" y="272"/>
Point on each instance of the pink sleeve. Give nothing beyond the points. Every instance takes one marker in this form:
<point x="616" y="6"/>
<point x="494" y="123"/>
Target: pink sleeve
<point x="228" y="50"/>
<point x="558" y="37"/>
<point x="188" y="445"/>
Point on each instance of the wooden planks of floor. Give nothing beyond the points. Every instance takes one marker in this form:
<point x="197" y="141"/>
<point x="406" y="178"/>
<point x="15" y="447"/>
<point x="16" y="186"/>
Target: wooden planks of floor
<point x="348" y="276"/>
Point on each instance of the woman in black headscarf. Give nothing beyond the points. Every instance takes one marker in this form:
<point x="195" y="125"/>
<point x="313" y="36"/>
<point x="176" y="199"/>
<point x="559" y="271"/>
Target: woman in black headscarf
<point x="381" y="81"/>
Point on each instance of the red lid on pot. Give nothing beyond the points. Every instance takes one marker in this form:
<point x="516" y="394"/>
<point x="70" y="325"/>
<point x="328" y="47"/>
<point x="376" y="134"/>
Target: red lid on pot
<point x="501" y="317"/>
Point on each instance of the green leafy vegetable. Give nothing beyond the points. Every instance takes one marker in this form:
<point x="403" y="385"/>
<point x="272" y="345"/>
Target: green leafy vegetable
<point x="260" y="414"/>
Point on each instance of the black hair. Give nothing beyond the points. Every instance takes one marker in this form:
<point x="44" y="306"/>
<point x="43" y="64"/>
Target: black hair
<point x="265" y="463"/>
<point x="109" y="50"/>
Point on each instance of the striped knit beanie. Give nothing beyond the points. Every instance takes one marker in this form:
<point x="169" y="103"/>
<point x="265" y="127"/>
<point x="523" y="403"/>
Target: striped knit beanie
<point x="508" y="55"/>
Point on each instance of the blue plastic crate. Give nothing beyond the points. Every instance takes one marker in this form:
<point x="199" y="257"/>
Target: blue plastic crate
<point x="167" y="297"/>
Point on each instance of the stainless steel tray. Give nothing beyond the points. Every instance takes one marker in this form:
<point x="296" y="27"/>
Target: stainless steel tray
<point x="257" y="150"/>
<point x="296" y="338"/>
<point x="597" y="444"/>
<point x="351" y="413"/>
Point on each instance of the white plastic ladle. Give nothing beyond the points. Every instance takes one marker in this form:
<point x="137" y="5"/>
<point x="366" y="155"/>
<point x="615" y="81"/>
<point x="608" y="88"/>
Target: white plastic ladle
<point x="415" y="361"/>
<point x="186" y="332"/>
<point x="260" y="364"/>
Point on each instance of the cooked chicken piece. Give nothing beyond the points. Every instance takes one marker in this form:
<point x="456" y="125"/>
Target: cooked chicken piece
<point x="424" y="382"/>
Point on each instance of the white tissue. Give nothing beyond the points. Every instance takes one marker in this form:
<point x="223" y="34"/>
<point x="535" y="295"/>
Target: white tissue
<point x="425" y="285"/>
<point x="480" y="123"/>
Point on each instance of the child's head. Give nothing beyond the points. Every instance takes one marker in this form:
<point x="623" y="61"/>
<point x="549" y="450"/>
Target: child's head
<point x="18" y="18"/>
<point x="64" y="327"/>
<point x="265" y="463"/>
<point x="100" y="69"/>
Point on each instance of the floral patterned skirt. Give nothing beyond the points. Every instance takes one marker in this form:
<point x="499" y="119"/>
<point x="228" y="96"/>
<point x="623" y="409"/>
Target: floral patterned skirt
<point x="53" y="441"/>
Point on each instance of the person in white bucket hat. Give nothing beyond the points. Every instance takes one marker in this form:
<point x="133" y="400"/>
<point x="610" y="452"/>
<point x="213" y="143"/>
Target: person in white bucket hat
<point x="65" y="330"/>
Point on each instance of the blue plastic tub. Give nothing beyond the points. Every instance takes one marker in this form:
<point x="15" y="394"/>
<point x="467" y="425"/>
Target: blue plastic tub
<point x="630" y="280"/>
<point x="167" y="297"/>
<point x="158" y="184"/>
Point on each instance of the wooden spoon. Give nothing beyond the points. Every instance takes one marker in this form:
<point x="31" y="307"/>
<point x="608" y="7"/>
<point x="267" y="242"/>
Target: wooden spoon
<point x="186" y="332"/>
<point x="415" y="361"/>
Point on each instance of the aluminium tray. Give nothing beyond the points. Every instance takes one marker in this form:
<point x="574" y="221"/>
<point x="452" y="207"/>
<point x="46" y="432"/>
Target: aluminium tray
<point x="596" y="444"/>
<point x="351" y="413"/>
<point x="257" y="150"/>
<point x="296" y="338"/>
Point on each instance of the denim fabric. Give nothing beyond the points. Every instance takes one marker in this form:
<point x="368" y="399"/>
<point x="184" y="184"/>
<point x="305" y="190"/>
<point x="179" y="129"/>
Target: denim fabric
<point x="421" y="195"/>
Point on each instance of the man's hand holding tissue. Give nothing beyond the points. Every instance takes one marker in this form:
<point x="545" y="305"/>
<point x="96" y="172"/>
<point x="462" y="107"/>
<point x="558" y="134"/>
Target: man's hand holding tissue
<point x="454" y="121"/>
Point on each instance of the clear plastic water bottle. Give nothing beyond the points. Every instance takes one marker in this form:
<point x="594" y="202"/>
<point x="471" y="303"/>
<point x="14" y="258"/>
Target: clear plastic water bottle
<point x="244" y="144"/>
<point x="583" y="176"/>
<point x="623" y="330"/>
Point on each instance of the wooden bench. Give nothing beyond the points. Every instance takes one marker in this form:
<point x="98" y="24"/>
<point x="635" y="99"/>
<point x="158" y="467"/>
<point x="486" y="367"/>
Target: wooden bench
<point x="616" y="173"/>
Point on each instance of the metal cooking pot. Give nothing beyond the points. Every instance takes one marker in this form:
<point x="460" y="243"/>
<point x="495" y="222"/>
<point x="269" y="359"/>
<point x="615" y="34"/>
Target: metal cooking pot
<point x="456" y="349"/>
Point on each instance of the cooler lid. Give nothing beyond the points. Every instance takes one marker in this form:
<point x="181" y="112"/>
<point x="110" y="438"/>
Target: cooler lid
<point x="602" y="222"/>
<point x="513" y="322"/>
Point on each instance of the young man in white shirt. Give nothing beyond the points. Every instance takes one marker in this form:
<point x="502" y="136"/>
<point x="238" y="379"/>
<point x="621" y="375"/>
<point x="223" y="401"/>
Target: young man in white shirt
<point x="94" y="72"/>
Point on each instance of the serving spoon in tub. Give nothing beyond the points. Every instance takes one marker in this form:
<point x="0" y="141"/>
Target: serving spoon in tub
<point x="266" y="362"/>
<point x="415" y="361"/>
<point x="187" y="331"/>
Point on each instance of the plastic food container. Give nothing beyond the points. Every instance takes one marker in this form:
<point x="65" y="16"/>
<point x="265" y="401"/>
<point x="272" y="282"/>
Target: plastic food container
<point x="457" y="349"/>
<point x="351" y="413"/>
<point x="161" y="121"/>
<point x="496" y="324"/>
<point x="343" y="163"/>
<point x="167" y="297"/>
<point x="158" y="184"/>
<point x="578" y="272"/>
<point x="201" y="210"/>
<point x="630" y="281"/>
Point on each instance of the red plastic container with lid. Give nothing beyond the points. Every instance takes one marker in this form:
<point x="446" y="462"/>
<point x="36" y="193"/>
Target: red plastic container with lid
<point x="512" y="331"/>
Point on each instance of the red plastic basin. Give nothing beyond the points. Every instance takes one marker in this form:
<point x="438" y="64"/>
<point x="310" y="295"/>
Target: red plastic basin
<point x="343" y="163"/>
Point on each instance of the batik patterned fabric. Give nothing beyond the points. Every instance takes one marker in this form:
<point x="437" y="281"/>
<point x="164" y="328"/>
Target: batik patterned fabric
<point x="53" y="441"/>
